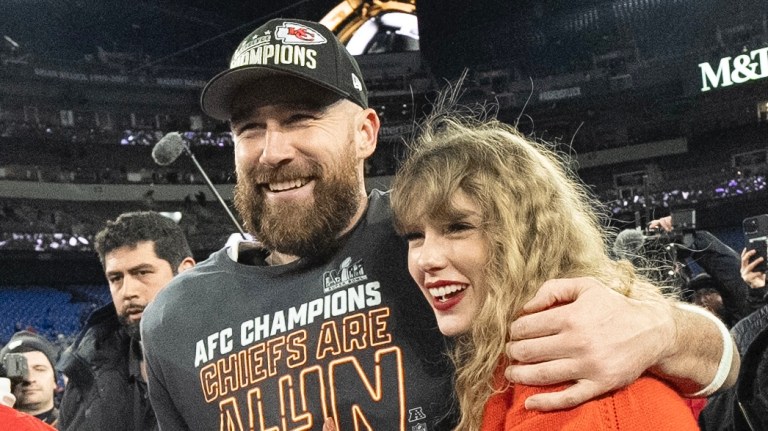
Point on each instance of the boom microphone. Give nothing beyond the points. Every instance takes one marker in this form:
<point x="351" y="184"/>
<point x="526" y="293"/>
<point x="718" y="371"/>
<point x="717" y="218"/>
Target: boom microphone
<point x="628" y="244"/>
<point x="169" y="148"/>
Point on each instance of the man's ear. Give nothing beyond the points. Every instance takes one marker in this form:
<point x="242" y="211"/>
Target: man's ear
<point x="185" y="264"/>
<point x="368" y="130"/>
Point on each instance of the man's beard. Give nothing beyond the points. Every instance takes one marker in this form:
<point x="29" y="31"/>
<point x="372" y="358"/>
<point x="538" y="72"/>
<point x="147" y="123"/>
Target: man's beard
<point x="300" y="228"/>
<point x="131" y="328"/>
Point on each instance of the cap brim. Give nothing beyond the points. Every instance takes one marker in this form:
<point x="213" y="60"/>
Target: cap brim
<point x="218" y="93"/>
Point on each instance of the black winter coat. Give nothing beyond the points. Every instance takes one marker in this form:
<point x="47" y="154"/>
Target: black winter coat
<point x="744" y="407"/>
<point x="102" y="392"/>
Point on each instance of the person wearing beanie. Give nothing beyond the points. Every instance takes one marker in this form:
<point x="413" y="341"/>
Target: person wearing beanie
<point x="35" y="393"/>
<point x="14" y="420"/>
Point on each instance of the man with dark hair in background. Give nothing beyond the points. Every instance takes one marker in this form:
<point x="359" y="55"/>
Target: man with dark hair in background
<point x="35" y="393"/>
<point x="321" y="318"/>
<point x="140" y="252"/>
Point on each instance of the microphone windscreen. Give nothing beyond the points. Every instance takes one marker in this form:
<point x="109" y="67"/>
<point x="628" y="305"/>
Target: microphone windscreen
<point x="628" y="244"/>
<point x="168" y="149"/>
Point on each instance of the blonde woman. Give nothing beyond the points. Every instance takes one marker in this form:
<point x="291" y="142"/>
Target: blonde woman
<point x="489" y="217"/>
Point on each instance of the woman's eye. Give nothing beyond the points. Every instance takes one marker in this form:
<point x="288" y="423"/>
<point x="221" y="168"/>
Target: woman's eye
<point x="458" y="227"/>
<point x="413" y="236"/>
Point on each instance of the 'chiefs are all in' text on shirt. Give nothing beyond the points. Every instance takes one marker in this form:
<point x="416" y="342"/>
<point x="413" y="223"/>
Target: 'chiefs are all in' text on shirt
<point x="234" y="346"/>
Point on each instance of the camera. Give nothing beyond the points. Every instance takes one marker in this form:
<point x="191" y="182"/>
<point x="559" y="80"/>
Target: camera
<point x="683" y="228"/>
<point x="684" y="221"/>
<point x="14" y="367"/>
<point x="756" y="238"/>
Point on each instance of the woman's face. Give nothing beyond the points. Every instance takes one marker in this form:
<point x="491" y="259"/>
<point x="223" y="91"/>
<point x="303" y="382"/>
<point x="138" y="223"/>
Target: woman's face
<point x="447" y="258"/>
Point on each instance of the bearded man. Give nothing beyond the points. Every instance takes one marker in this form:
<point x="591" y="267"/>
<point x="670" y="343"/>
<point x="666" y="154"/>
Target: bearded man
<point x="106" y="388"/>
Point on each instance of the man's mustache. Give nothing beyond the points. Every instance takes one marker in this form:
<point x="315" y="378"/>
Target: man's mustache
<point x="135" y="308"/>
<point x="265" y="175"/>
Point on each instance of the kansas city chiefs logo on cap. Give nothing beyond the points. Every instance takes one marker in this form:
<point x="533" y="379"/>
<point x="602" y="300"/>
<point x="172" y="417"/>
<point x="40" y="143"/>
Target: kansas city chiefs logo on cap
<point x="298" y="34"/>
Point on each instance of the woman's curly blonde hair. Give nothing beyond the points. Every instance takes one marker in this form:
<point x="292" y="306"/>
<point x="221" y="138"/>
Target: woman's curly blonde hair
<point x="540" y="223"/>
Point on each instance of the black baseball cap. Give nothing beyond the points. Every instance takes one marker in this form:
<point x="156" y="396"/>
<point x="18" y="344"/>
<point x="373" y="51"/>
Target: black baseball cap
<point x="294" y="47"/>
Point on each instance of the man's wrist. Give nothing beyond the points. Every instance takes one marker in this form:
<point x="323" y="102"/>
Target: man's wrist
<point x="668" y="335"/>
<point x="687" y="361"/>
<point x="726" y="359"/>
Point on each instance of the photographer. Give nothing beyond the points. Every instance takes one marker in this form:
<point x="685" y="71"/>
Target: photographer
<point x="744" y="405"/>
<point x="758" y="293"/>
<point x="34" y="388"/>
<point x="692" y="249"/>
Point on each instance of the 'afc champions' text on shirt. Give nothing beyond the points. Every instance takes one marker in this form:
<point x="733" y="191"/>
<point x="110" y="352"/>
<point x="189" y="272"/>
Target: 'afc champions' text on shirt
<point x="305" y="368"/>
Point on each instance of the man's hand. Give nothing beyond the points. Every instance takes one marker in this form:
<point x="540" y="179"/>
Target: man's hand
<point x="755" y="279"/>
<point x="664" y="223"/>
<point x="579" y="331"/>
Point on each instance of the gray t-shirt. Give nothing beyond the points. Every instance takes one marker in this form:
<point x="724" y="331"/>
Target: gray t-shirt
<point x="233" y="346"/>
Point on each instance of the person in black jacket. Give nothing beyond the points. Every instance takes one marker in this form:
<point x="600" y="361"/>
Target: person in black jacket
<point x="745" y="406"/>
<point x="107" y="390"/>
<point x="717" y="273"/>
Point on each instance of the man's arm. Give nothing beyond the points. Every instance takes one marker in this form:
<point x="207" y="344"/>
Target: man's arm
<point x="694" y="365"/>
<point x="167" y="414"/>
<point x="722" y="263"/>
<point x="578" y="330"/>
<point x="168" y="417"/>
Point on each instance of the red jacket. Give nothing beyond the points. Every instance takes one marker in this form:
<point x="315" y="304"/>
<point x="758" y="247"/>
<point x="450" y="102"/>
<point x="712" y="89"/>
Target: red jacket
<point x="14" y="420"/>
<point x="647" y="404"/>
